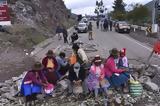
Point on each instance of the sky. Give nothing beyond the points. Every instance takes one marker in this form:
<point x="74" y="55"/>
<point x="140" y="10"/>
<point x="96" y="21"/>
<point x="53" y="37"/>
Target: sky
<point x="88" y="6"/>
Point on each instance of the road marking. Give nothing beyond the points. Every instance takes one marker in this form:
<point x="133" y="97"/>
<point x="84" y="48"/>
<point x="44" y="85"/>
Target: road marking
<point x="137" y="42"/>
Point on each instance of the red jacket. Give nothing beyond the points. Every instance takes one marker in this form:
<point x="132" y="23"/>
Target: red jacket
<point x="45" y="61"/>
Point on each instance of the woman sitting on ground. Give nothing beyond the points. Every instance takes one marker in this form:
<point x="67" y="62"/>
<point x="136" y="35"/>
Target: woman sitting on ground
<point x="116" y="77"/>
<point x="50" y="67"/>
<point x="96" y="78"/>
<point x="33" y="82"/>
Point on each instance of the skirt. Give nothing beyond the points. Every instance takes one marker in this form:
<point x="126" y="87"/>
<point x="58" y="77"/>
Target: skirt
<point x="118" y="80"/>
<point x="29" y="89"/>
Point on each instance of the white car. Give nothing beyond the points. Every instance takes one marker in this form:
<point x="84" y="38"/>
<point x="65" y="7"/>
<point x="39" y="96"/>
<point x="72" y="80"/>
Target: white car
<point x="82" y="27"/>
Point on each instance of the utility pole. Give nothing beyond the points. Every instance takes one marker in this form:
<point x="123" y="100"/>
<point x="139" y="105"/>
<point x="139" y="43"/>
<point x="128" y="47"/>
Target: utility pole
<point x="153" y="12"/>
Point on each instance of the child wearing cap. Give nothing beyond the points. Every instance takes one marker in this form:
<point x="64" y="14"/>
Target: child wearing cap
<point x="96" y="77"/>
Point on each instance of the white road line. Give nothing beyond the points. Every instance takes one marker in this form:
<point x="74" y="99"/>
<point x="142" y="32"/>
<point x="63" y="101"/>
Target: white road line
<point x="137" y="42"/>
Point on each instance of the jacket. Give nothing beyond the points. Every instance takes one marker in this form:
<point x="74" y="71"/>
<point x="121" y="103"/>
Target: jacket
<point x="72" y="75"/>
<point x="32" y="78"/>
<point x="110" y="67"/>
<point x="82" y="55"/>
<point x="45" y="61"/>
<point x="60" y="63"/>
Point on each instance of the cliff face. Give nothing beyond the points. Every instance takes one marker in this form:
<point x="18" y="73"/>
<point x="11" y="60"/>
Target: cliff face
<point x="40" y="14"/>
<point x="32" y="22"/>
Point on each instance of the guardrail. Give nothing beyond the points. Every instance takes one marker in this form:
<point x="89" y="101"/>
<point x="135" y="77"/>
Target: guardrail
<point x="139" y="27"/>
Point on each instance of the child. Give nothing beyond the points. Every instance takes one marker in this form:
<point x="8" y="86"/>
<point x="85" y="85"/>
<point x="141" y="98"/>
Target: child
<point x="123" y="61"/>
<point x="96" y="77"/>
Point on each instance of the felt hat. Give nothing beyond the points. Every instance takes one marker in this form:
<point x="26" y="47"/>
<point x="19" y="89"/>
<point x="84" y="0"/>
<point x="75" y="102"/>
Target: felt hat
<point x="114" y="52"/>
<point x="97" y="59"/>
<point x="50" y="53"/>
<point x="37" y="66"/>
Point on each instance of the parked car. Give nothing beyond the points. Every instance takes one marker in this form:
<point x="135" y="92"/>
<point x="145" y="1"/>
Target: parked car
<point x="122" y="26"/>
<point x="82" y="27"/>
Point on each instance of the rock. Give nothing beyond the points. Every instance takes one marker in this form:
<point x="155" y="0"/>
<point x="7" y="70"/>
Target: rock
<point x="144" y="79"/>
<point x="8" y="96"/>
<point x="5" y="89"/>
<point x="9" y="82"/>
<point x="151" y="86"/>
<point x="151" y="104"/>
<point x="118" y="100"/>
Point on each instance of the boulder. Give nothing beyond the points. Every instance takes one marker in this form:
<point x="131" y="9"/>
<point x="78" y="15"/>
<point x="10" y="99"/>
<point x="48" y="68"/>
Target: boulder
<point x="144" y="79"/>
<point x="8" y="96"/>
<point x="150" y="86"/>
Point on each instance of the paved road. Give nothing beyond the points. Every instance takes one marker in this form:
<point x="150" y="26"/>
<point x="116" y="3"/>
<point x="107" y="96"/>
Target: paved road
<point x="108" y="40"/>
<point x="111" y="39"/>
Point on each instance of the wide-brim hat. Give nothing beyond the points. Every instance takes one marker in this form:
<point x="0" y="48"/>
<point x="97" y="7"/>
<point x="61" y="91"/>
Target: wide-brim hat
<point x="37" y="66"/>
<point x="114" y="52"/>
<point x="50" y="53"/>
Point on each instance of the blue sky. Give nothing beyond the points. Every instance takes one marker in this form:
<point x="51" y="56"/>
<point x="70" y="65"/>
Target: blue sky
<point x="88" y="6"/>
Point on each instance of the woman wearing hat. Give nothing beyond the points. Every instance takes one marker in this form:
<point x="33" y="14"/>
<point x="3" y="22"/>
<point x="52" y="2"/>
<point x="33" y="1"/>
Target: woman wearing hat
<point x="50" y="67"/>
<point x="33" y="82"/>
<point x="117" y="77"/>
<point x="96" y="77"/>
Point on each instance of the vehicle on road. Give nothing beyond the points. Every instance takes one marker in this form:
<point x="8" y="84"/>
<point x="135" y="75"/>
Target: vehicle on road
<point x="82" y="27"/>
<point x="122" y="26"/>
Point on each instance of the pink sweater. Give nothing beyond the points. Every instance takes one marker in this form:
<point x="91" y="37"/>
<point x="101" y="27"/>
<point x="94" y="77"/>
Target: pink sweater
<point x="110" y="67"/>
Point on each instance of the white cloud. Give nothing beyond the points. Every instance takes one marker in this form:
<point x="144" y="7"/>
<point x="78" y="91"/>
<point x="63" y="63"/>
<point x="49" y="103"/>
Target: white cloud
<point x="88" y="6"/>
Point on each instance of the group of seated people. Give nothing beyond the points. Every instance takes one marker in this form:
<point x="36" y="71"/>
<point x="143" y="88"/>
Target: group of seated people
<point x="44" y="76"/>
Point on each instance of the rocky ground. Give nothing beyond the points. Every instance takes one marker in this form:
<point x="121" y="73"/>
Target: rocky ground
<point x="149" y="97"/>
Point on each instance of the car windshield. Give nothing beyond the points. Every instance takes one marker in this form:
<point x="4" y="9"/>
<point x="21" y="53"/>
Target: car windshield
<point x="123" y="23"/>
<point x="81" y="25"/>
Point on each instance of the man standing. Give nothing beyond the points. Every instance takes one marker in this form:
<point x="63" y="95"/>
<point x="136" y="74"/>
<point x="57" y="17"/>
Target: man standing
<point x="90" y="36"/>
<point x="97" y="23"/>
<point x="59" y="31"/>
<point x="111" y="25"/>
<point x="65" y="34"/>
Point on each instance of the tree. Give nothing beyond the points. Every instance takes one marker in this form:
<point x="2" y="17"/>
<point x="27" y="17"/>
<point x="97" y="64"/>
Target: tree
<point x="119" y="10"/>
<point x="139" y="14"/>
<point x="100" y="9"/>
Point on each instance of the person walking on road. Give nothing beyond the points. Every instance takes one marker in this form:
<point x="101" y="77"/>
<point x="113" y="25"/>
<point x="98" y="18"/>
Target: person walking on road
<point x="105" y="25"/>
<point x="90" y="36"/>
<point x="111" y="25"/>
<point x="65" y="34"/>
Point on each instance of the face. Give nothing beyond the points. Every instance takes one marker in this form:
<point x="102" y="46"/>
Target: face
<point x="97" y="63"/>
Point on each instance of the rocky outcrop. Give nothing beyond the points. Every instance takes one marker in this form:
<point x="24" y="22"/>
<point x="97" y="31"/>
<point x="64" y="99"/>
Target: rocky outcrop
<point x="43" y="15"/>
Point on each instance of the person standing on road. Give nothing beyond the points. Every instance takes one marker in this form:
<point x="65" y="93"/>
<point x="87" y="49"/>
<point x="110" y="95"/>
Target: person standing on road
<point x="97" y="23"/>
<point x="101" y="24"/>
<point x="111" y="25"/>
<point x="58" y="32"/>
<point x="90" y="36"/>
<point x="65" y="34"/>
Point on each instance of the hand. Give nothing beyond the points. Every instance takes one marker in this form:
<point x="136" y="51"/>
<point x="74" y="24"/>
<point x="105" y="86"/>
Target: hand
<point x="74" y="82"/>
